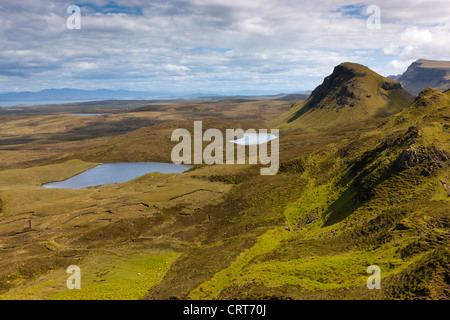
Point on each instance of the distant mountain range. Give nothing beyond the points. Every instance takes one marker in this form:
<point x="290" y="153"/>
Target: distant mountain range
<point x="67" y="95"/>
<point x="425" y="73"/>
<point x="70" y="94"/>
<point x="419" y="75"/>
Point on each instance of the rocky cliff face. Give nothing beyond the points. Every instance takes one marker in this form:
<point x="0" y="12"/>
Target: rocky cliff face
<point x="426" y="73"/>
<point x="338" y="87"/>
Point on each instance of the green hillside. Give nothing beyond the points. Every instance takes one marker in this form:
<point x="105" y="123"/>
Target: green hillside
<point x="382" y="198"/>
<point x="352" y="93"/>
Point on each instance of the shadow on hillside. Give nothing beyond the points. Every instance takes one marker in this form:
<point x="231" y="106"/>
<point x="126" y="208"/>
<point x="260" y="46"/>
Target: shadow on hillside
<point x="92" y="130"/>
<point x="343" y="207"/>
<point x="299" y="113"/>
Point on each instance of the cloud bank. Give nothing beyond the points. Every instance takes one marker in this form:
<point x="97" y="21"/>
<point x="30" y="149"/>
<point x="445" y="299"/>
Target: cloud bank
<point x="211" y="45"/>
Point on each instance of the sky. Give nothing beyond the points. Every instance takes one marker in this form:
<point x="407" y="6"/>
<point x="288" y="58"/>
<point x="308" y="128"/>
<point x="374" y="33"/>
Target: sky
<point x="215" y="46"/>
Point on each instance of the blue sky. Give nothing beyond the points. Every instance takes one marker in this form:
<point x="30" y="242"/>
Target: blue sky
<point x="111" y="7"/>
<point x="216" y="46"/>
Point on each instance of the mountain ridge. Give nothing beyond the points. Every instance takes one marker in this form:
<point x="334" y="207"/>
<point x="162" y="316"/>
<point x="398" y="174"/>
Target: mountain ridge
<point x="351" y="93"/>
<point x="426" y="73"/>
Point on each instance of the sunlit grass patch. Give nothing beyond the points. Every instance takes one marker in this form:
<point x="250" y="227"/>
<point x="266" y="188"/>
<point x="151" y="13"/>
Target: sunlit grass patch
<point x="266" y="243"/>
<point x="103" y="277"/>
<point x="320" y="272"/>
<point x="112" y="277"/>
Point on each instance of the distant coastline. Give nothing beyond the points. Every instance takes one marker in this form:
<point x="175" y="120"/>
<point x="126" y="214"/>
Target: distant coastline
<point x="19" y="103"/>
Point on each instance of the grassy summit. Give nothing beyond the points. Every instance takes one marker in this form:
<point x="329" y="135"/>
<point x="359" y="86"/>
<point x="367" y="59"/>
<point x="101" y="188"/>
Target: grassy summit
<point x="350" y="94"/>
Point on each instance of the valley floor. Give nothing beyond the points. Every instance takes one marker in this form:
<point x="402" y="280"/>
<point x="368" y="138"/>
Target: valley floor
<point x="344" y="199"/>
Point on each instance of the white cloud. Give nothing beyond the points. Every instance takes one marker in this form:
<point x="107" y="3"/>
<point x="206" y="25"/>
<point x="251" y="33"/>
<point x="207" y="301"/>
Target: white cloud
<point x="175" y="68"/>
<point x="265" y="44"/>
<point x="391" y="50"/>
<point x="85" y="66"/>
<point x="399" y="66"/>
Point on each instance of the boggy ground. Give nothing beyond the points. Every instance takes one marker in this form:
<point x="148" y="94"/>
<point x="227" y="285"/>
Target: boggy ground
<point x="345" y="198"/>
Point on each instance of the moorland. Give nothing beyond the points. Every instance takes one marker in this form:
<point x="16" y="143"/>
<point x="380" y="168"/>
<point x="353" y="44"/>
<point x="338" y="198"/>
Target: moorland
<point x="364" y="180"/>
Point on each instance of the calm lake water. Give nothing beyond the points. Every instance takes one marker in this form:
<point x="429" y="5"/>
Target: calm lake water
<point x="85" y="114"/>
<point x="254" y="138"/>
<point x="114" y="173"/>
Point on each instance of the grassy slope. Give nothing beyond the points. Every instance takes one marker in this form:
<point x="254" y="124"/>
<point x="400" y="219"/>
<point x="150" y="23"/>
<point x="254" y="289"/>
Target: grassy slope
<point x="353" y="93"/>
<point x="109" y="275"/>
<point x="358" y="208"/>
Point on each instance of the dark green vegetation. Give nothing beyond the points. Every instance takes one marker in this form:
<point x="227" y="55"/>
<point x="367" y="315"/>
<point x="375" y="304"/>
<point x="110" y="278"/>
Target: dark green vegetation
<point x="371" y="191"/>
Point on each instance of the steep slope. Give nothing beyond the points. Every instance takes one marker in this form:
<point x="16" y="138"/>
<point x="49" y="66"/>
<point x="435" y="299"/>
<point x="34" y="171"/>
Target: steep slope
<point x="350" y="94"/>
<point x="382" y="199"/>
<point x="426" y="73"/>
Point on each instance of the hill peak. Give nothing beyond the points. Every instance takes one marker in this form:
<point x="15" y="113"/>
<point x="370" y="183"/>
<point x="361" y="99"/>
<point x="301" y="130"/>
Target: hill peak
<point x="356" y="68"/>
<point x="428" y="96"/>
<point x="348" y="84"/>
<point x="352" y="92"/>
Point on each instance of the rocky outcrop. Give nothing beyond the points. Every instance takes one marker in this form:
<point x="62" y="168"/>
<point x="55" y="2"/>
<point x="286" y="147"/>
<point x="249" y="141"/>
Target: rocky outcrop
<point x="428" y="97"/>
<point x="407" y="158"/>
<point x="430" y="159"/>
<point x="435" y="160"/>
<point x="388" y="85"/>
<point x="446" y="187"/>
